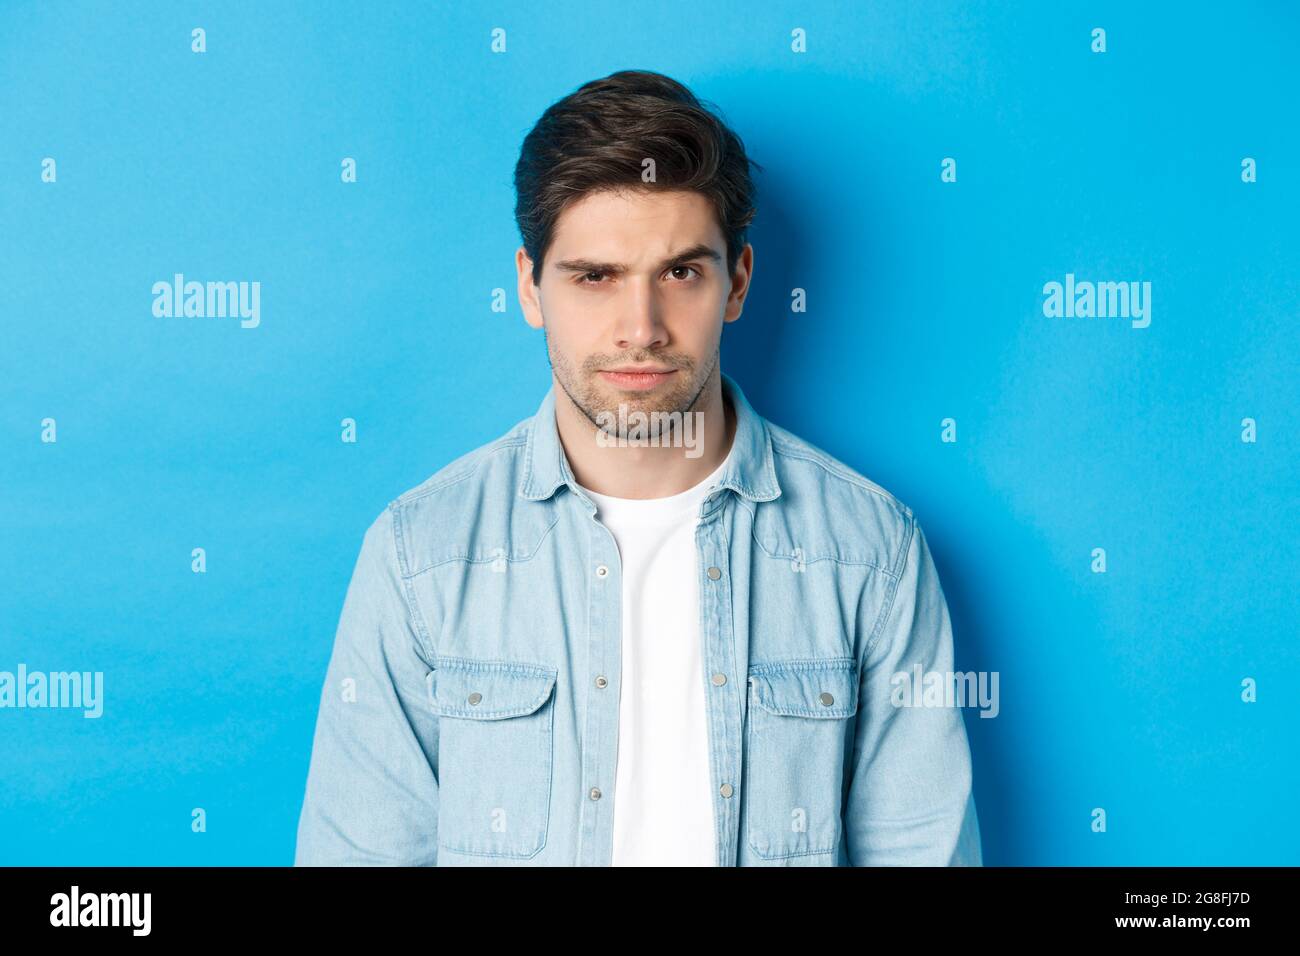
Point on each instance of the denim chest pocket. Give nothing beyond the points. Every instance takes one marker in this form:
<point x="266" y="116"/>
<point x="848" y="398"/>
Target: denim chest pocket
<point x="495" y="750"/>
<point x="798" y="724"/>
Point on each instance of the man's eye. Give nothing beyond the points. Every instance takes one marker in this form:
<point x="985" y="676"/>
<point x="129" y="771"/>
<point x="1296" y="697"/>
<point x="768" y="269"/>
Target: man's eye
<point x="596" y="278"/>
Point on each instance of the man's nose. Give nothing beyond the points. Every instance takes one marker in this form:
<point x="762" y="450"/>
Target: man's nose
<point x="640" y="317"/>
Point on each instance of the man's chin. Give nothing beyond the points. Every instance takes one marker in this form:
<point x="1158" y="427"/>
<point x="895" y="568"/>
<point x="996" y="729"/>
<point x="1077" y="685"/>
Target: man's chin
<point x="606" y="395"/>
<point x="615" y="405"/>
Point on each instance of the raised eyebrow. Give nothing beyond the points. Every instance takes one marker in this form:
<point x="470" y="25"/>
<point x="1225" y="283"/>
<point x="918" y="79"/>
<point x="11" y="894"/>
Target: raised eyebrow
<point x="700" y="251"/>
<point x="614" y="268"/>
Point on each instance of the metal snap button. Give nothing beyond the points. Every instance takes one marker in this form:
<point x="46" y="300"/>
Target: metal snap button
<point x="601" y="682"/>
<point x="726" y="790"/>
<point x="826" y="699"/>
<point x="475" y="697"/>
<point x="714" y="573"/>
<point x="601" y="570"/>
<point x="595" y="794"/>
<point x="719" y="680"/>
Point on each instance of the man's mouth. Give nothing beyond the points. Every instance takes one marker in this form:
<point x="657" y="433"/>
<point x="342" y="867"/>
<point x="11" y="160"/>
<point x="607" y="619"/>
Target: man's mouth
<point x="636" y="381"/>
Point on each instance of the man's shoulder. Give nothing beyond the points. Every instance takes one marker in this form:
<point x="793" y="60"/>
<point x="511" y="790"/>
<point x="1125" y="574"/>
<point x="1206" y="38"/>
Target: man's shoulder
<point x="462" y="511"/>
<point x="498" y="459"/>
<point x="801" y="459"/>
<point x="863" y="521"/>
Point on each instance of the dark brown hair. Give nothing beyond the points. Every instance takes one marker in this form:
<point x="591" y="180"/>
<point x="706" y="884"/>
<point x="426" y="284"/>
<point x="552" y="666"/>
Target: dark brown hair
<point x="597" y="137"/>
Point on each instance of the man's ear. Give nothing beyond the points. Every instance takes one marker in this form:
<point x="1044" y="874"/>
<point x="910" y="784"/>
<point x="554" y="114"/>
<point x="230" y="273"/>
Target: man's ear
<point x="529" y="295"/>
<point x="739" y="284"/>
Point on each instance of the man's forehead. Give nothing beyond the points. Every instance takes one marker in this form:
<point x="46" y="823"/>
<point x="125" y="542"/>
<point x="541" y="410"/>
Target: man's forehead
<point x="635" y="223"/>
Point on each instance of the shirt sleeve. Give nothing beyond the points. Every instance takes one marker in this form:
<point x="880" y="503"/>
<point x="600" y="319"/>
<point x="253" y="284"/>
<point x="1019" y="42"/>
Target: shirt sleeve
<point x="909" y="801"/>
<point x="372" y="786"/>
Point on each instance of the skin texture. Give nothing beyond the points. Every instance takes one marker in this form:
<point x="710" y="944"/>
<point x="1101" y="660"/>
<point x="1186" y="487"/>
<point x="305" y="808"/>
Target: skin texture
<point x="646" y="308"/>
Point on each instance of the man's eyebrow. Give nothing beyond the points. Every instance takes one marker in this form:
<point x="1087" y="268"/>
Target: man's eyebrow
<point x="694" y="253"/>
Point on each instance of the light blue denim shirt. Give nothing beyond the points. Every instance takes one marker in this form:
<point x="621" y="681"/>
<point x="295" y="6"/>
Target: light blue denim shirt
<point x="470" y="710"/>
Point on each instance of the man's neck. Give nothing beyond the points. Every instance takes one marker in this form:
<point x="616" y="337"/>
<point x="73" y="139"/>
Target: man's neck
<point x="635" y="469"/>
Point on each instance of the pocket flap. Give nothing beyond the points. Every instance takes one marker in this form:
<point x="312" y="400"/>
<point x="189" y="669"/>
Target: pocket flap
<point x="490" y="690"/>
<point x="812" y="688"/>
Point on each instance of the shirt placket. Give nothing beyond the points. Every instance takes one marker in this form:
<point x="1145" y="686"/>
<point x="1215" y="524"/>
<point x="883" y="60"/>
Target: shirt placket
<point x="604" y="655"/>
<point x="604" y="668"/>
<point x="722" y="705"/>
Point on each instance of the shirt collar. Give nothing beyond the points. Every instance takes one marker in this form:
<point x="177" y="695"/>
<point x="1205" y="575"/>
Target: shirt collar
<point x="750" y="472"/>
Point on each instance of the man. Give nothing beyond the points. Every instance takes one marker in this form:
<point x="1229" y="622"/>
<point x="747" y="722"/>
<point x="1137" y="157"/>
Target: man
<point x="645" y="626"/>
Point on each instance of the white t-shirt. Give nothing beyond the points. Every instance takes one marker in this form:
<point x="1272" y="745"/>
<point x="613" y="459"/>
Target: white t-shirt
<point x="663" y="797"/>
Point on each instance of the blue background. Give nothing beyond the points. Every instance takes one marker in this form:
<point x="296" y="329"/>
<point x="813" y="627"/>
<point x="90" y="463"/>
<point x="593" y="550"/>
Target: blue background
<point x="1118" y="690"/>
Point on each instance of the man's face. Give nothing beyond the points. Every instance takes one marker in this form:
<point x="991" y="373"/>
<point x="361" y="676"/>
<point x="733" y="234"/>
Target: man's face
<point x="634" y="279"/>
